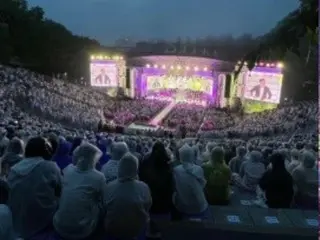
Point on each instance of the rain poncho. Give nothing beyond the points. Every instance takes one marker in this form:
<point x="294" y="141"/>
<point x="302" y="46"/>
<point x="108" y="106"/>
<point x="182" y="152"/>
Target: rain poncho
<point x="127" y="201"/>
<point x="34" y="184"/>
<point x="189" y="197"/>
<point x="81" y="199"/>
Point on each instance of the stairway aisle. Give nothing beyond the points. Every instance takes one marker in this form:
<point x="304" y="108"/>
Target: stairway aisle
<point x="158" y="118"/>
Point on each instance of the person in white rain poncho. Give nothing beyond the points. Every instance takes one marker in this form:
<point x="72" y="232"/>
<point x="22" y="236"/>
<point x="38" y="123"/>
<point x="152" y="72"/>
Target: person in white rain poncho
<point x="110" y="169"/>
<point x="189" y="197"/>
<point x="127" y="201"/>
<point x="35" y="185"/>
<point x="82" y="195"/>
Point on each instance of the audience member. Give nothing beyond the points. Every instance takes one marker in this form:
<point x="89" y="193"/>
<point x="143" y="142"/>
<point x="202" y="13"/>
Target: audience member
<point x="218" y="177"/>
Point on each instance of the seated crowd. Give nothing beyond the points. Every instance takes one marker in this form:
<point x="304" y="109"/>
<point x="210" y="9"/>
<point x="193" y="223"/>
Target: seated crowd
<point x="184" y="113"/>
<point x="61" y="182"/>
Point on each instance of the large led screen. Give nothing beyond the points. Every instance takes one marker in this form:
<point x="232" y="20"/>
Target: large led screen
<point x="194" y="83"/>
<point x="104" y="74"/>
<point x="263" y="86"/>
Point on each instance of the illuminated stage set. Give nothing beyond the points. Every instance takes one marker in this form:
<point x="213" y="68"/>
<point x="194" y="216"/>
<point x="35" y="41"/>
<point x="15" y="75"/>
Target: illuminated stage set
<point x="197" y="80"/>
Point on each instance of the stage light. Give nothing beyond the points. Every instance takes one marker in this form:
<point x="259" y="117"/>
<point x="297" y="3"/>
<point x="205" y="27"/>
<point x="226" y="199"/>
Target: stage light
<point x="163" y="66"/>
<point x="148" y="66"/>
<point x="239" y="62"/>
<point x="178" y="67"/>
<point x="155" y="66"/>
<point x="121" y="58"/>
<point x="261" y="63"/>
<point x="205" y="69"/>
<point x="92" y="57"/>
<point x="245" y="63"/>
<point x="268" y="65"/>
<point x="279" y="65"/>
<point x="196" y="68"/>
<point x="256" y="64"/>
<point x="272" y="65"/>
<point x="187" y="68"/>
<point x="171" y="67"/>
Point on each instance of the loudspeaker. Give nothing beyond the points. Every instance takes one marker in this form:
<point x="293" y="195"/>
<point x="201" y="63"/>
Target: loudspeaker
<point x="128" y="78"/>
<point x="227" y="86"/>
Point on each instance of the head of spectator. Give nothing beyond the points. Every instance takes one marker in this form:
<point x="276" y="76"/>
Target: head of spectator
<point x="295" y="160"/>
<point x="118" y="150"/>
<point x="235" y="163"/>
<point x="159" y="156"/>
<point x="13" y="154"/>
<point x="110" y="169"/>
<point x="39" y="147"/>
<point x="61" y="156"/>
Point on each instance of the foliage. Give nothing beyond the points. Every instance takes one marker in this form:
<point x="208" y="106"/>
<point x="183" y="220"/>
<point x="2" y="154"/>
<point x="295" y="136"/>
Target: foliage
<point x="27" y="37"/>
<point x="297" y="26"/>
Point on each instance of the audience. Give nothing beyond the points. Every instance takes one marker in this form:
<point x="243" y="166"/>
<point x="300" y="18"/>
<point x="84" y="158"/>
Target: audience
<point x="59" y="177"/>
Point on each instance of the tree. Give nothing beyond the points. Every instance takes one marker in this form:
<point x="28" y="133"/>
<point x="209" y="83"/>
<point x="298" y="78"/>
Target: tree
<point x="39" y="43"/>
<point x="287" y="35"/>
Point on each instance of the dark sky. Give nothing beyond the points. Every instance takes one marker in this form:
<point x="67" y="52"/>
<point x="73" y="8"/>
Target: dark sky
<point x="108" y="20"/>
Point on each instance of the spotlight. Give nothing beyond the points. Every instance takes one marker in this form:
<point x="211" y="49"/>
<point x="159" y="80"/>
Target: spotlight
<point x="279" y="65"/>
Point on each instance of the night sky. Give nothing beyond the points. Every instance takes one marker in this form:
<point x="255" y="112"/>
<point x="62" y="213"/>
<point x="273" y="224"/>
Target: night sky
<point x="109" y="20"/>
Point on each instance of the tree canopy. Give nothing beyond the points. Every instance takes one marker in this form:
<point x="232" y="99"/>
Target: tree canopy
<point x="288" y="34"/>
<point x="30" y="39"/>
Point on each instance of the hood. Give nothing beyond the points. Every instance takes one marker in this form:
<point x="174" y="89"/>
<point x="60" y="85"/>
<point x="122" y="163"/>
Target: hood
<point x="255" y="156"/>
<point x="15" y="146"/>
<point x="186" y="156"/>
<point x="133" y="146"/>
<point x="128" y="168"/>
<point x="118" y="150"/>
<point x="217" y="156"/>
<point x="26" y="166"/>
<point x="241" y="152"/>
<point x="308" y="159"/>
<point x="76" y="143"/>
<point x="63" y="148"/>
<point x="62" y="157"/>
<point x="86" y="156"/>
<point x="210" y="146"/>
<point x="11" y="158"/>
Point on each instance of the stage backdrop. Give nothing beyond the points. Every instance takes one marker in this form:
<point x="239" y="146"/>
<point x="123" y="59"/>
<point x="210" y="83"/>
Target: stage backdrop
<point x="193" y="83"/>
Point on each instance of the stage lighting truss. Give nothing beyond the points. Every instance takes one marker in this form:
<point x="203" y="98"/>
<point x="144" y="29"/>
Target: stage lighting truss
<point x="178" y="67"/>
